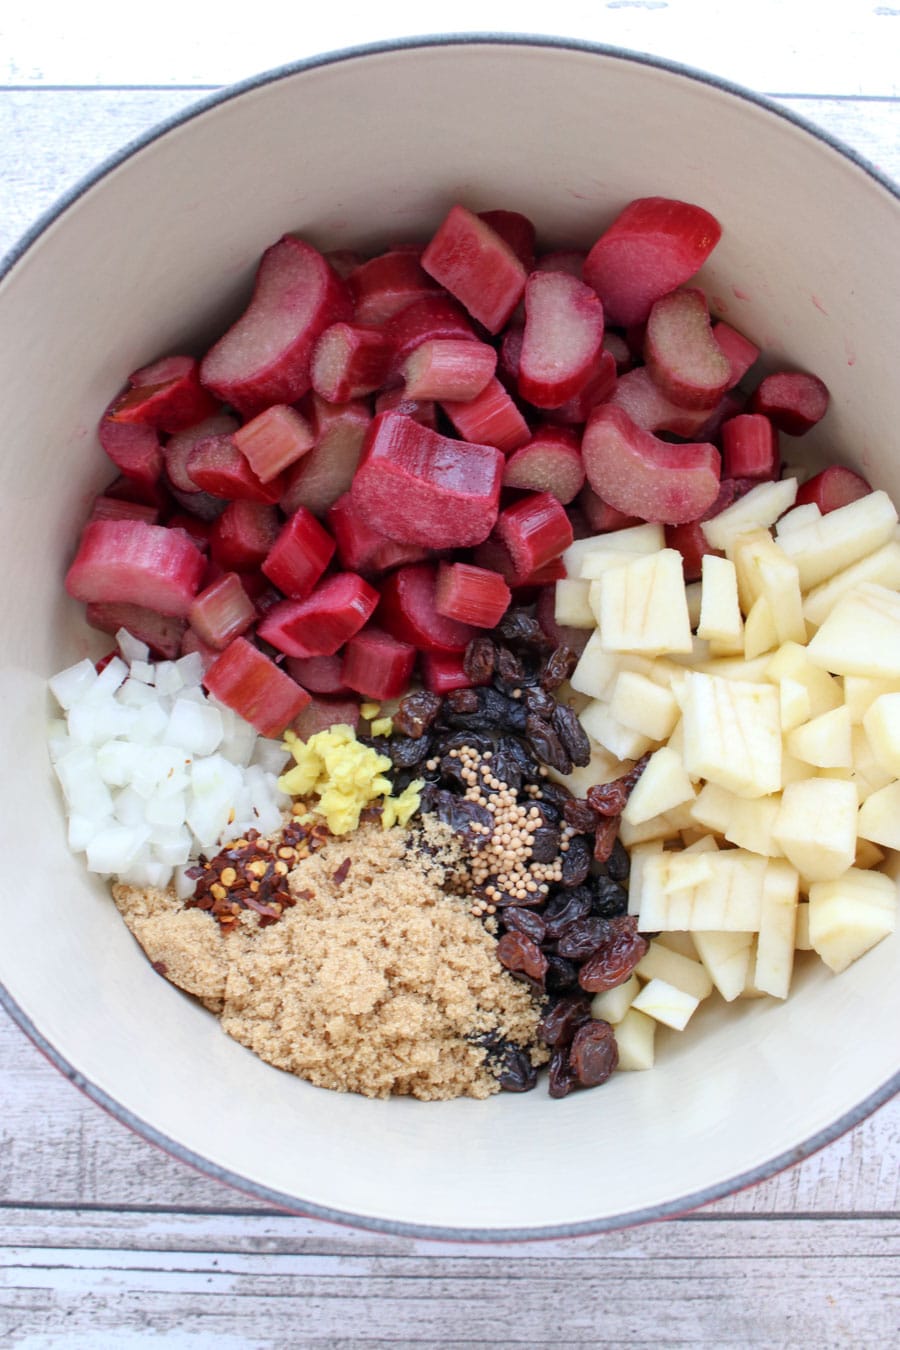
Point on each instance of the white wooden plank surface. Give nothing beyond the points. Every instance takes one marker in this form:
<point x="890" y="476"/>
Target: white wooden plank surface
<point x="104" y="1241"/>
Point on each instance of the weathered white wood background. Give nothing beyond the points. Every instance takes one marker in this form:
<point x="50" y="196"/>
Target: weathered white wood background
<point x="105" y="1242"/>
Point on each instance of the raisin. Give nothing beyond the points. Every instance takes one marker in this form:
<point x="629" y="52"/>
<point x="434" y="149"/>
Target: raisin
<point x="487" y="710"/>
<point x="510" y="1063"/>
<point x="613" y="962"/>
<point x="605" y="837"/>
<point x="594" y="1053"/>
<point x="608" y="799"/>
<point x="478" y="661"/>
<point x="513" y="748"/>
<point x="572" y="734"/>
<point x="416" y="713"/>
<point x="565" y="908"/>
<point x="518" y="626"/>
<point x="405" y="751"/>
<point x="516" y="952"/>
<point x="540" y="703"/>
<point x="618" y="864"/>
<point x="460" y="740"/>
<point x="557" y="794"/>
<point x="462" y="700"/>
<point x="560" y="1022"/>
<point x="563" y="1077"/>
<point x="610" y="899"/>
<point x="581" y="816"/>
<point x="558" y="667"/>
<point x="451" y="770"/>
<point x="545" y="844"/>
<point x="525" y="921"/>
<point x="459" y="814"/>
<point x="576" y="861"/>
<point x="561" y="974"/>
<point x="547" y="746"/>
<point x="581" y="938"/>
<point x="508" y="668"/>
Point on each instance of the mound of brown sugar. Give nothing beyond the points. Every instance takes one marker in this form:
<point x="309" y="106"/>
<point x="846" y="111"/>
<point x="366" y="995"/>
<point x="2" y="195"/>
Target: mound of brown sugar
<point x="376" y="981"/>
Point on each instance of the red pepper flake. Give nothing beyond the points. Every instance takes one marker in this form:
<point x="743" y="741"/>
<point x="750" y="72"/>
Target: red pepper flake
<point x="244" y="875"/>
<point x="160" y="967"/>
<point x="340" y="876"/>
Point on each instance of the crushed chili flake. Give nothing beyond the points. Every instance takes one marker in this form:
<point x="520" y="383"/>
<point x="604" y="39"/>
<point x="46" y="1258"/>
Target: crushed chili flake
<point x="340" y="875"/>
<point x="252" y="874"/>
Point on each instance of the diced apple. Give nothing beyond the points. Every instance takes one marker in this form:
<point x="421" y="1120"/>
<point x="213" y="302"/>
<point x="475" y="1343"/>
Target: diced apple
<point x="861" y="635"/>
<point x="662" y="786"/>
<point x="634" y="1037"/>
<point x="801" y="928"/>
<point x="833" y="542"/>
<point x="868" y="774"/>
<point x="824" y="741"/>
<point x="849" y="915"/>
<point x="736" y="668"/>
<point x="777" y="925"/>
<point x="664" y="1003"/>
<point x="639" y="857"/>
<point x="882" y="727"/>
<point x="619" y="740"/>
<point x="666" y="826"/>
<point x="722" y="715"/>
<point x="643" y="606"/>
<point x="602" y="768"/>
<point x="751" y="823"/>
<point x="881" y="567"/>
<point x="643" y="705"/>
<point x="720" y="614"/>
<point x="879" y="816"/>
<point x="816" y="827"/>
<point x="860" y="693"/>
<point x="691" y="874"/>
<point x="612" y="1004"/>
<point x="728" y="900"/>
<point x="714" y="807"/>
<point x="726" y="957"/>
<point x="648" y="538"/>
<point x="761" y="506"/>
<point x="802" y="515"/>
<point x="572" y="604"/>
<point x="760" y="634"/>
<point x="595" y="564"/>
<point x="659" y="962"/>
<point x="683" y="943"/>
<point x="763" y="570"/>
<point x="794" y="702"/>
<point x="793" y="662"/>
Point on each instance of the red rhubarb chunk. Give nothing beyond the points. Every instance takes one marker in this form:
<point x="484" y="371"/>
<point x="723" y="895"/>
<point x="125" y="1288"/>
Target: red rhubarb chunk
<point x="692" y="544"/>
<point x="407" y="611"/>
<point x="116" y="508"/>
<point x="162" y="633"/>
<point x="643" y="476"/>
<point x="654" y="245"/>
<point x="471" y="594"/>
<point x="637" y="394"/>
<point x="793" y="400"/>
<point x="550" y="462"/>
<point x="536" y="530"/>
<point x="750" y="447"/>
<point x="444" y="671"/>
<point x="378" y="665"/>
<point x="570" y="260"/>
<point x="264" y="357"/>
<point x="738" y="350"/>
<point x="222" y="611"/>
<point x="128" y="560"/>
<point x="490" y="419"/>
<point x="317" y="626"/>
<point x="448" y="368"/>
<point x="326" y="472"/>
<point x="517" y="231"/>
<point x="477" y="266"/>
<point x="135" y="450"/>
<point x="561" y="635"/>
<point x="166" y="395"/>
<point x="216" y="465"/>
<point x="681" y="353"/>
<point x="248" y="682"/>
<point x="833" y="487"/>
<point x="323" y="713"/>
<point x="318" y="674"/>
<point x="178" y="448"/>
<point x="242" y="536"/>
<point x="349" y="361"/>
<point x="600" y="386"/>
<point x="600" y="516"/>
<point x="418" y="487"/>
<point x="426" y="320"/>
<point x="562" y="339"/>
<point x="386" y="284"/>
<point x="299" y="555"/>
<point x="419" y="409"/>
<point x="273" y="440"/>
<point x="362" y="549"/>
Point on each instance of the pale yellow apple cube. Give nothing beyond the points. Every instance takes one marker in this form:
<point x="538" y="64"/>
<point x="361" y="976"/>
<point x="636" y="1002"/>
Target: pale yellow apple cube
<point x="816" y="827"/>
<point x="761" y="506"/>
<point x="777" y="930"/>
<point x="794" y="702"/>
<point x="663" y="1002"/>
<point x="860" y="693"/>
<point x="636" y="539"/>
<point x="732" y="734"/>
<point x="867" y="854"/>
<point x="662" y="786"/>
<point x="736" y="668"/>
<point x="720" y="619"/>
<point x="600" y="560"/>
<point x="751" y="824"/>
<point x="801" y="931"/>
<point x="597" y="669"/>
<point x="612" y="1004"/>
<point x="660" y="962"/>
<point x="879" y="816"/>
<point x="868" y="774"/>
<point x="824" y="741"/>
<point x="601" y="768"/>
<point x="693" y="595"/>
<point x="849" y="915"/>
<point x="619" y="740"/>
<point x="840" y="538"/>
<point x="714" y="807"/>
<point x="792" y="662"/>
<point x="728" y="899"/>
<point x="760" y="634"/>
<point x="764" y="571"/>
<point x="793" y="769"/>
<point x="639" y="857"/>
<point x="643" y="705"/>
<point x="690" y="875"/>
<point x="798" y="515"/>
<point x="683" y="943"/>
<point x="861" y="635"/>
<point x="882" y="567"/>
<point x="726" y="957"/>
<point x="643" y="606"/>
<point x="882" y="728"/>
<point x="667" y="825"/>
<point x="572" y="605"/>
<point x="634" y="1038"/>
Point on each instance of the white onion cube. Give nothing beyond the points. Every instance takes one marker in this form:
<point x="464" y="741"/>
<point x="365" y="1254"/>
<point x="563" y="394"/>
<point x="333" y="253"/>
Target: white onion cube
<point x="132" y="648"/>
<point x="195" y="726"/>
<point x="72" y="684"/>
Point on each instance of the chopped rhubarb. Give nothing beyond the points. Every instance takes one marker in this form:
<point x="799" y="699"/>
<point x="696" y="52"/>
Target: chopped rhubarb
<point x="299" y="555"/>
<point x="510" y="356"/>
<point x="178" y="448"/>
<point x="407" y="611"/>
<point x="643" y="476"/>
<point x="681" y="353"/>
<point x="496" y="557"/>
<point x="637" y="394"/>
<point x="248" y="682"/>
<point x="562" y="339"/>
<point x="732" y="403"/>
<point x="274" y="439"/>
<point x="128" y="560"/>
<point x="833" y="487"/>
<point x="193" y="642"/>
<point x="536" y="530"/>
<point x="419" y="409"/>
<point x="321" y="624"/>
<point x="490" y="419"/>
<point x="162" y="633"/>
<point x="477" y="266"/>
<point x="418" y="487"/>
<point x="378" y="665"/>
<point x="119" y="508"/>
<point x="344" y="261"/>
<point x="243" y="535"/>
<point x="443" y="672"/>
<point x="386" y="284"/>
<point x="652" y="246"/>
<point x="166" y="395"/>
<point x="570" y="260"/>
<point x="692" y="544"/>
<point x="448" y="368"/>
<point x="362" y="549"/>
<point x="426" y="320"/>
<point x="561" y="635"/>
<point x="222" y="611"/>
<point x="601" y="517"/>
<point x="264" y="357"/>
<point x="349" y="361"/>
<point x="739" y="351"/>
<point x="217" y="466"/>
<point x="471" y="594"/>
<point x="135" y="450"/>
<point x="323" y="713"/>
<point x="517" y="231"/>
<point x="199" y="530"/>
<point x="318" y="674"/>
<point x="326" y="473"/>
<point x="600" y="386"/>
<point x="127" y="489"/>
<point x="793" y="400"/>
<point x="619" y="350"/>
<point x="750" y="447"/>
<point x="550" y="462"/>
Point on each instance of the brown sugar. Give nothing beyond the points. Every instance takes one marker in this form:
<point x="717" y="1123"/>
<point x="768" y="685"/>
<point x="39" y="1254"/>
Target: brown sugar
<point x="379" y="980"/>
